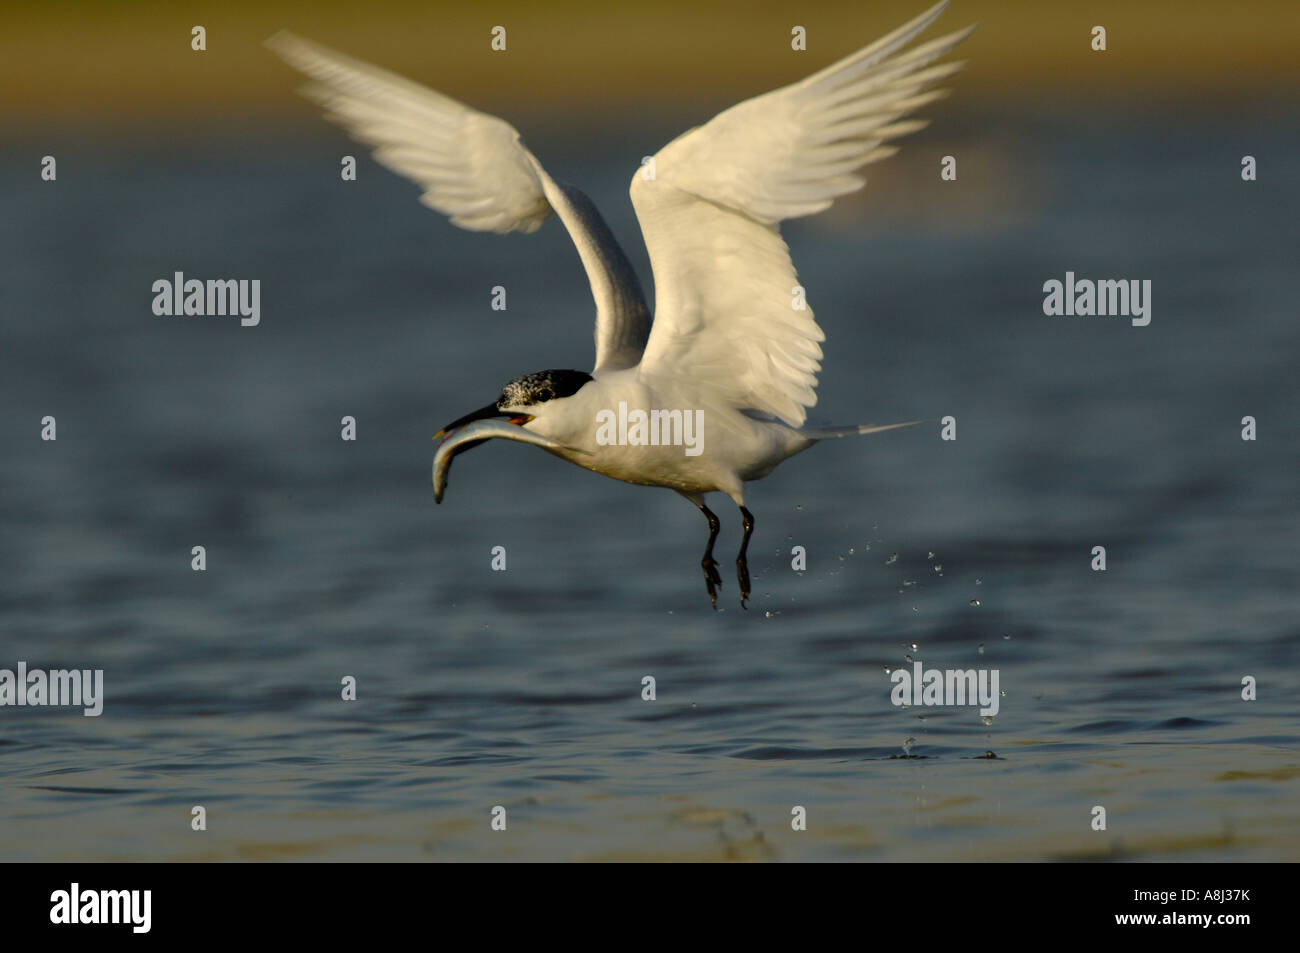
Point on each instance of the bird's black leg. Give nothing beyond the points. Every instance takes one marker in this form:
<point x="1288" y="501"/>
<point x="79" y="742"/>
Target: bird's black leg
<point x="742" y="562"/>
<point x="710" y="566"/>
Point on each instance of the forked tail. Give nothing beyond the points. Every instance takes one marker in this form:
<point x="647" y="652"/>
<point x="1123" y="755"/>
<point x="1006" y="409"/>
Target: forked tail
<point x="825" y="433"/>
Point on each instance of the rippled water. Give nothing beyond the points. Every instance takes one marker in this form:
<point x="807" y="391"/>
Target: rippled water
<point x="523" y="688"/>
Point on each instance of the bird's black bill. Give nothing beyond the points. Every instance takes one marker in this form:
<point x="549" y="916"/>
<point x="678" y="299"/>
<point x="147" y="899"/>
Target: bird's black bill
<point x="483" y="413"/>
<point x="474" y="433"/>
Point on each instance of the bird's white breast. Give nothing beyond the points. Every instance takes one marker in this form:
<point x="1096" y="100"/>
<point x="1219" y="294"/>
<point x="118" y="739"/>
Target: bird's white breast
<point x="674" y="436"/>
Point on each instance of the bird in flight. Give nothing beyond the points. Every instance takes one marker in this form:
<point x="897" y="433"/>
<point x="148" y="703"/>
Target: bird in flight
<point x="733" y="347"/>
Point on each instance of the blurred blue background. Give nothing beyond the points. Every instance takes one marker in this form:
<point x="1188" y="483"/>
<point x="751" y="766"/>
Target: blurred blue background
<point x="522" y="688"/>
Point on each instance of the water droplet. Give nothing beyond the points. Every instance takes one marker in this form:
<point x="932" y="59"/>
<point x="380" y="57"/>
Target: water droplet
<point x="938" y="567"/>
<point x="931" y="555"/>
<point x="851" y="550"/>
<point x="866" y="547"/>
<point x="909" y="658"/>
<point x="981" y="648"/>
<point x="990" y="754"/>
<point x="767" y="614"/>
<point x="1007" y="636"/>
<point x="974" y="602"/>
<point x="914" y="646"/>
<point x="909" y="582"/>
<point x="907" y="746"/>
<point x="893" y="558"/>
<point x="1003" y="693"/>
<point x="979" y="582"/>
<point x="987" y="719"/>
<point x="914" y="609"/>
<point x="798" y="506"/>
<point x="888" y="670"/>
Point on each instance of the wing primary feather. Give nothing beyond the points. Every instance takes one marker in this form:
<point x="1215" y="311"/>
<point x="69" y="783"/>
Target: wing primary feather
<point x="475" y="169"/>
<point x="730" y="311"/>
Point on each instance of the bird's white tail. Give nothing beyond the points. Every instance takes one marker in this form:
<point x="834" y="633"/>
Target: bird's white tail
<point x="825" y="433"/>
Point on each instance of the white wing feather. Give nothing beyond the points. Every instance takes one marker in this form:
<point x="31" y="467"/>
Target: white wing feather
<point x="474" y="169"/>
<point x="724" y="282"/>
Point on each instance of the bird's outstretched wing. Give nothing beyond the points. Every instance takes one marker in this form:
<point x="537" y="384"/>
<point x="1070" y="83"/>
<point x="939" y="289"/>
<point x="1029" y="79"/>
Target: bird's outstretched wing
<point x="475" y="169"/>
<point x="726" y="308"/>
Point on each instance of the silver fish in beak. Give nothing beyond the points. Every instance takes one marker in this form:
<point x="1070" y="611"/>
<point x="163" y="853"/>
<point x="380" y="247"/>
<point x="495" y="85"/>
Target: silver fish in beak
<point x="458" y="439"/>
